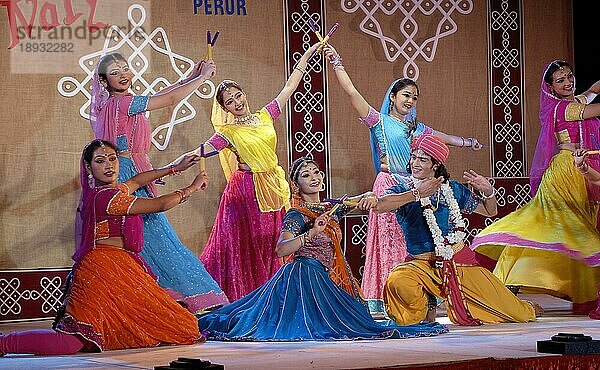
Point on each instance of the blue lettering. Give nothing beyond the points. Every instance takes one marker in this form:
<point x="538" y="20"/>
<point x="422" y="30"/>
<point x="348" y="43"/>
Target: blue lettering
<point x="230" y="6"/>
<point x="219" y="7"/>
<point x="207" y="7"/>
<point x="197" y="4"/>
<point x="241" y="7"/>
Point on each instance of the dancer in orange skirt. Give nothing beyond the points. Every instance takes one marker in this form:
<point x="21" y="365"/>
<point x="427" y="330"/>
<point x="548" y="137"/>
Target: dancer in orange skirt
<point x="113" y="301"/>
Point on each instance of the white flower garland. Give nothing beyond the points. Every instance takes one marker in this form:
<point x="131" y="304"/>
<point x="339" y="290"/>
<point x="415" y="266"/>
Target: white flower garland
<point x="443" y="246"/>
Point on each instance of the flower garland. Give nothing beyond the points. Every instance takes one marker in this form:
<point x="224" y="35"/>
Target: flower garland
<point x="443" y="245"/>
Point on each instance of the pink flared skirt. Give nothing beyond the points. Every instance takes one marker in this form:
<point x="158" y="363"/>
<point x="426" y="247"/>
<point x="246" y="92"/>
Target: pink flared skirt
<point x="240" y="252"/>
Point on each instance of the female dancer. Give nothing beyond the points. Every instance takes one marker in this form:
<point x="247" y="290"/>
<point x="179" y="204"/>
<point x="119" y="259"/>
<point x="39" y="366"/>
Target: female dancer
<point x="551" y="244"/>
<point x="391" y="131"/>
<point x="113" y="302"/>
<point x="302" y="302"/>
<point x="118" y="116"/>
<point x="239" y="253"/>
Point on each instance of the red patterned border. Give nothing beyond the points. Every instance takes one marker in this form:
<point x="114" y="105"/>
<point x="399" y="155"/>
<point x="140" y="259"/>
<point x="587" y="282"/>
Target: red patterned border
<point x="30" y="294"/>
<point x="506" y="88"/>
<point x="307" y="122"/>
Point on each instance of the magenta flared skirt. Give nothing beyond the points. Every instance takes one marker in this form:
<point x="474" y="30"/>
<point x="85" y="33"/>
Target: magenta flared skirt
<point x="240" y="252"/>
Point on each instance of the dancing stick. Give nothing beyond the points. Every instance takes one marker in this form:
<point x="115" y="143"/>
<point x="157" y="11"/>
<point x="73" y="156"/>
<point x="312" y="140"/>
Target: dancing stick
<point x="323" y="40"/>
<point x="338" y="203"/>
<point x="202" y="163"/>
<point x="348" y="203"/>
<point x="590" y="152"/>
<point x="210" y="43"/>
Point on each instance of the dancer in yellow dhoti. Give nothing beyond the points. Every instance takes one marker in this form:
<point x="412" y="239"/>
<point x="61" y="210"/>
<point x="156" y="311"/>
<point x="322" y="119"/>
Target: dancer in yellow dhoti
<point x="428" y="207"/>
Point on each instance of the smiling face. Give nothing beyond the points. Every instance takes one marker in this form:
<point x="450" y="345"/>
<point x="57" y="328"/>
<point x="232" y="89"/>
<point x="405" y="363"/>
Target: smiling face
<point x="563" y="83"/>
<point x="310" y="179"/>
<point x="421" y="165"/>
<point x="234" y="101"/>
<point x="118" y="77"/>
<point x="104" y="166"/>
<point x="405" y="99"/>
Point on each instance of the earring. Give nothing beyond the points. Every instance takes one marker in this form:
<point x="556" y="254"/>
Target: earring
<point x="91" y="181"/>
<point x="391" y="106"/>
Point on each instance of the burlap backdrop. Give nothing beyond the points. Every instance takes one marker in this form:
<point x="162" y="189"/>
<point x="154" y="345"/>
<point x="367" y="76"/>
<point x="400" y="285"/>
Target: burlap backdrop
<point x="43" y="132"/>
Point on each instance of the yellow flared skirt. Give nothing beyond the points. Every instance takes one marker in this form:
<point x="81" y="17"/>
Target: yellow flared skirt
<point x="551" y="244"/>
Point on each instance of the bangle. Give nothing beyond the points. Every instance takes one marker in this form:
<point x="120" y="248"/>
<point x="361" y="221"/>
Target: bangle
<point x="583" y="170"/>
<point x="173" y="170"/>
<point x="336" y="61"/>
<point x="300" y="69"/>
<point x="483" y="196"/>
<point x="304" y="239"/>
<point x="416" y="194"/>
<point x="463" y="142"/>
<point x="472" y="145"/>
<point x="184" y="193"/>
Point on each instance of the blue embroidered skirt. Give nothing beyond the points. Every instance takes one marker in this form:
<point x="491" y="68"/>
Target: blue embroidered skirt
<point x="179" y="271"/>
<point x="301" y="302"/>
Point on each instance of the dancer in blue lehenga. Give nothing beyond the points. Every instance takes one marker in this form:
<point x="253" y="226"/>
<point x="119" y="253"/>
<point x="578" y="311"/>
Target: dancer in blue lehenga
<point x="118" y="116"/>
<point x="314" y="296"/>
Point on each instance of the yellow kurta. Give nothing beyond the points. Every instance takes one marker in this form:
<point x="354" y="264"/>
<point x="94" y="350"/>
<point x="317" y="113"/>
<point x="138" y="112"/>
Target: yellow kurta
<point x="255" y="145"/>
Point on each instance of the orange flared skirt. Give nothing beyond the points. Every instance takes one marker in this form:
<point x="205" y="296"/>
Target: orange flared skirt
<point x="114" y="304"/>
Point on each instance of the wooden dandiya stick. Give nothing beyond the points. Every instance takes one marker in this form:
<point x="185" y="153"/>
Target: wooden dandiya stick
<point x="202" y="162"/>
<point x="338" y="204"/>
<point x="323" y="40"/>
<point x="348" y="203"/>
<point x="590" y="152"/>
<point x="210" y="44"/>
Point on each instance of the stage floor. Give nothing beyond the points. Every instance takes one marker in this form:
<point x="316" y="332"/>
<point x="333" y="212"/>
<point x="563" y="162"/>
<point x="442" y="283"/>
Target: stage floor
<point x="461" y="343"/>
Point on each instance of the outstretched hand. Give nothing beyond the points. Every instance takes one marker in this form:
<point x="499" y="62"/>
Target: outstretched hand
<point x="186" y="161"/>
<point x="478" y="182"/>
<point x="367" y="202"/>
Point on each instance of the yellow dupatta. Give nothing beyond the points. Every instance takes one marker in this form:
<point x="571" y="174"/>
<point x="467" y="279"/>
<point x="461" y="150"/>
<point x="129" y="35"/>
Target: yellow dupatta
<point x="255" y="145"/>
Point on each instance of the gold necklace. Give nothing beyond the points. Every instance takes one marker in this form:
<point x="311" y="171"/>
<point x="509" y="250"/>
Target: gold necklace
<point x="245" y="120"/>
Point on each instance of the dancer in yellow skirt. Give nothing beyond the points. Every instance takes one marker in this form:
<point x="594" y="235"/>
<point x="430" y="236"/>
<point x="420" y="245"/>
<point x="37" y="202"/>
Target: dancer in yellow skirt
<point x="428" y="208"/>
<point x="551" y="245"/>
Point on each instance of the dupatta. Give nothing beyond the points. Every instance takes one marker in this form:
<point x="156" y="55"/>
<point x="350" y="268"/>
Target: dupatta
<point x="340" y="271"/>
<point x="547" y="145"/>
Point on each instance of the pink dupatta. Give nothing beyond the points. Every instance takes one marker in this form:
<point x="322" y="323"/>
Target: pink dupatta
<point x="547" y="146"/>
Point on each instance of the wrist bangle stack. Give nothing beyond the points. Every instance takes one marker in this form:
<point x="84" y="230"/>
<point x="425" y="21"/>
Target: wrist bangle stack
<point x="416" y="194"/>
<point x="184" y="194"/>
<point x="302" y="70"/>
<point x="336" y="61"/>
<point x="173" y="170"/>
<point x="583" y="168"/>
<point x="483" y="196"/>
<point x="463" y="142"/>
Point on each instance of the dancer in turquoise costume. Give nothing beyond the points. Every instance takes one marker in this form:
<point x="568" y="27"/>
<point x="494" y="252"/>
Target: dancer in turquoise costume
<point x="391" y="130"/>
<point x="118" y="116"/>
<point x="314" y="296"/>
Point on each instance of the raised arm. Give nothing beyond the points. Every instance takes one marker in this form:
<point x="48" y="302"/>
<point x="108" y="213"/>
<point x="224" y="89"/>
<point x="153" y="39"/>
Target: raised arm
<point x="591" y="93"/>
<point x="292" y="83"/>
<point x="181" y="164"/>
<point x="175" y="93"/>
<point x="168" y="201"/>
<point x="459" y="141"/>
<point x="356" y="99"/>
